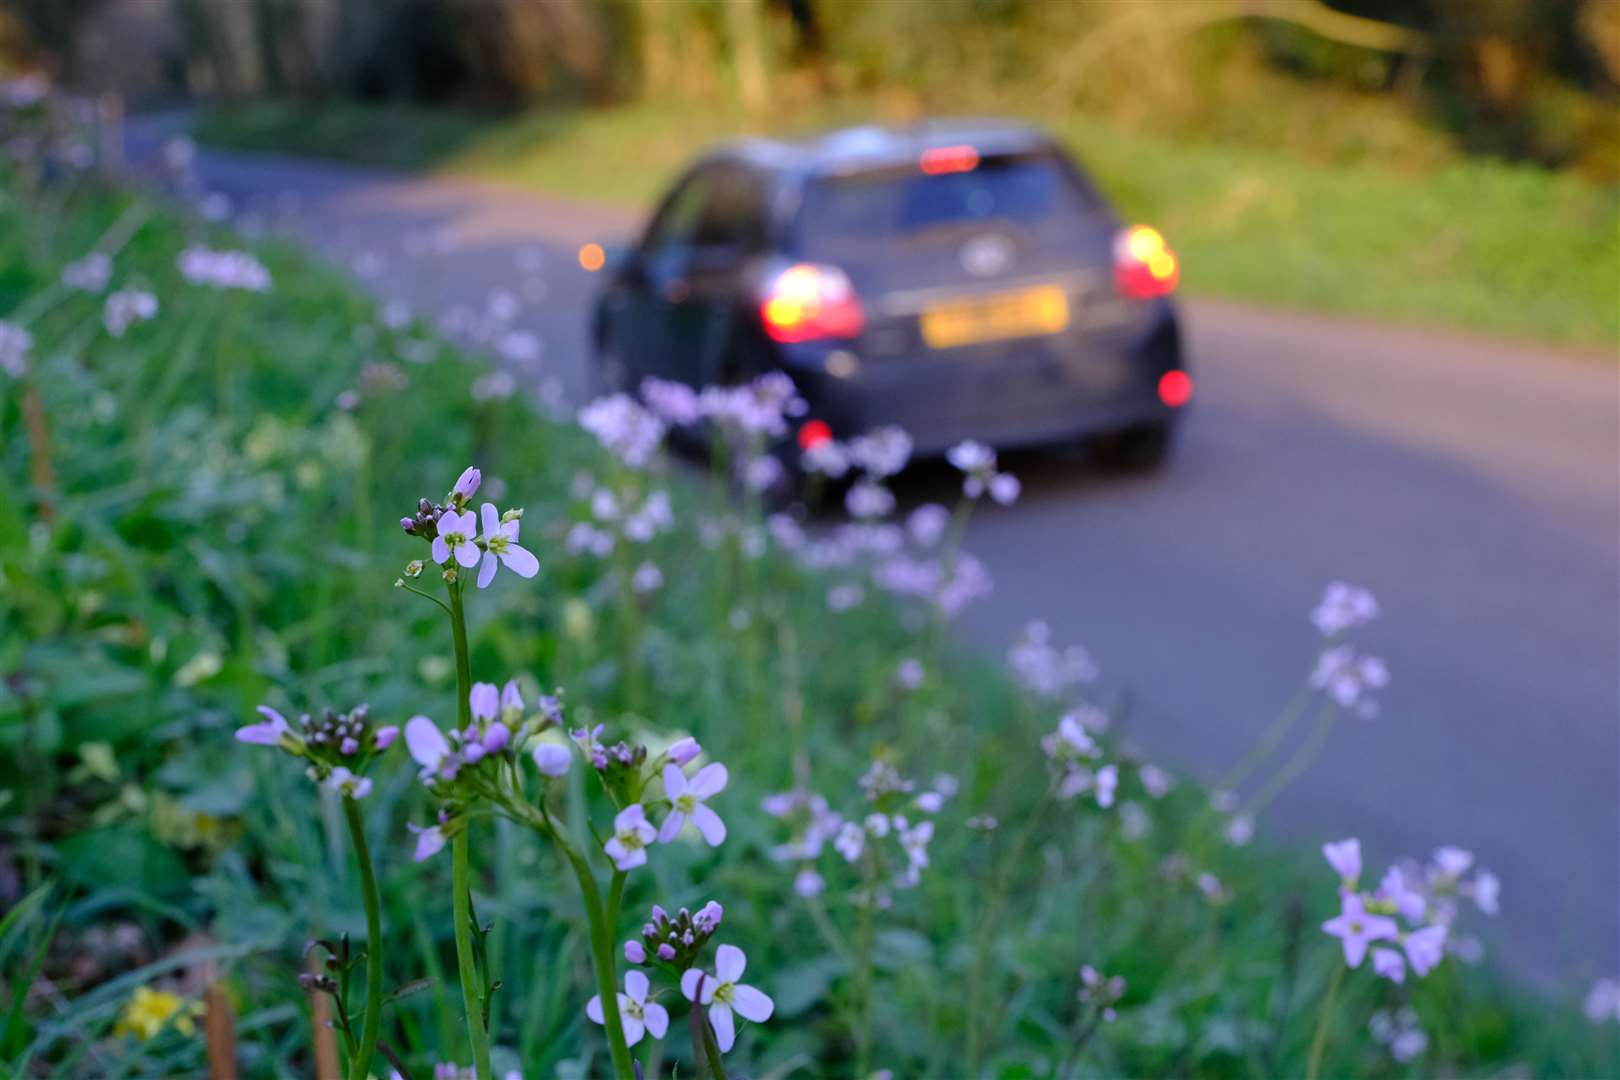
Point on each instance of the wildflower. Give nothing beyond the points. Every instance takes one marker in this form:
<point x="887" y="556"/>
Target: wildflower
<point x="1357" y="929"/>
<point x="828" y="457"/>
<point x="724" y="995"/>
<point x="429" y="841"/>
<point x="89" y="274"/>
<point x="976" y="461"/>
<point x="1045" y="670"/>
<point x="150" y="1011"/>
<point x="1400" y="1033"/>
<point x="1452" y="862"/>
<point x="1005" y="488"/>
<point x="1425" y="948"/>
<point x="1100" y="991"/>
<point x="808" y="883"/>
<point x="881" y="452"/>
<point x="624" y="427"/>
<point x="456" y="532"/>
<point x="552" y="760"/>
<point x="224" y="269"/>
<point x="1406" y="900"/>
<point x="868" y="499"/>
<point x="1343" y="607"/>
<point x="688" y="799"/>
<point x="909" y="675"/>
<point x="927" y="524"/>
<point x="1239" y="829"/>
<point x="850" y="841"/>
<point x="384" y="737"/>
<point x="635" y="952"/>
<point x="844" y="597"/>
<point x="125" y="308"/>
<point x="914" y="842"/>
<point x="673" y="402"/>
<point x="631" y="834"/>
<point x="1345" y="858"/>
<point x="15" y="343"/>
<point x="1347" y="675"/>
<point x="347" y="784"/>
<point x="427" y="744"/>
<point x="1069" y="741"/>
<point x="1487" y="888"/>
<point x="268" y="733"/>
<point x="1389" y="964"/>
<point x="647" y="578"/>
<point x="465" y="488"/>
<point x="637" y="1015"/>
<point x="1155" y="780"/>
<point x="500" y="544"/>
<point x="1602" y="1002"/>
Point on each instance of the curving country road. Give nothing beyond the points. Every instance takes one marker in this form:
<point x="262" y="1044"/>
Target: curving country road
<point x="1473" y="485"/>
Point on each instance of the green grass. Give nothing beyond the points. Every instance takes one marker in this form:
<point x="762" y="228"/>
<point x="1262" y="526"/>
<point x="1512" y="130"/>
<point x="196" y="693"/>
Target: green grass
<point x="1469" y="243"/>
<point x="224" y="535"/>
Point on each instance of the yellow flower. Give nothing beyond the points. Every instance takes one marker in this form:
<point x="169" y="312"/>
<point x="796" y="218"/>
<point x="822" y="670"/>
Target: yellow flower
<point x="149" y="1011"/>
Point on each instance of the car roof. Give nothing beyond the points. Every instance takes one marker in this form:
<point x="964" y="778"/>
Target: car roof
<point x="868" y="147"/>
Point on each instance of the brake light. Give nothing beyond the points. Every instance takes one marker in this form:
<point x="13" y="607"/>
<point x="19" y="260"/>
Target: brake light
<point x="948" y="159"/>
<point x="813" y="433"/>
<point x="1144" y="265"/>
<point x="809" y="302"/>
<point x="1175" y="388"/>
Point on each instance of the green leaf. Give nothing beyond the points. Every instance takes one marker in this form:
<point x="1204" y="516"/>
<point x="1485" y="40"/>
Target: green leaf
<point x="123" y="855"/>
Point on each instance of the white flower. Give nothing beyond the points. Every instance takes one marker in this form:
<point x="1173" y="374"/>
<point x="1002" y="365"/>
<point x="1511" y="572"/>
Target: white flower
<point x="689" y="798"/>
<point x="1603" y="1001"/>
<point x="125" y="308"/>
<point x="1005" y="488"/>
<point x="1347" y="675"/>
<point x="881" y="452"/>
<point x="850" y="841"/>
<point x="1345" y="858"/>
<point x="456" y="532"/>
<point x="224" y="269"/>
<point x="637" y="1015"/>
<point x="723" y="994"/>
<point x="500" y="544"/>
<point x="1343" y="607"/>
<point x="347" y="784"/>
<point x="89" y="274"/>
<point x="632" y="832"/>
<point x="624" y="427"/>
<point x="15" y="343"/>
<point x="914" y="842"/>
<point x="869" y="499"/>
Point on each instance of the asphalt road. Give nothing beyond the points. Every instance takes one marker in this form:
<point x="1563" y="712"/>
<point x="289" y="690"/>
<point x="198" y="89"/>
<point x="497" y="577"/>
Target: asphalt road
<point x="1472" y="484"/>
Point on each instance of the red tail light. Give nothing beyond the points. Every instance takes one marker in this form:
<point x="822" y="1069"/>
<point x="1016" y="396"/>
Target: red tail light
<point x="1144" y="265"/>
<point x="1175" y="388"/>
<point x="948" y="159"/>
<point x="810" y="302"/>
<point x="813" y="433"/>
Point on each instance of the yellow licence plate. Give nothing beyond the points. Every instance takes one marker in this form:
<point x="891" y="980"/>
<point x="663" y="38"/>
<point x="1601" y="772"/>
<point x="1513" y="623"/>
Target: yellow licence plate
<point x="1025" y="313"/>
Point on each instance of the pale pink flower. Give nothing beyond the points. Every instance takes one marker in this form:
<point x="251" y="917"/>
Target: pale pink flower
<point x="456" y="532"/>
<point x="1358" y="929"/>
<point x="637" y="1015"/>
<point x="724" y="995"/>
<point x="632" y="832"/>
<point x="501" y="546"/>
<point x="266" y="733"/>
<point x="688" y="800"/>
<point x="1345" y="858"/>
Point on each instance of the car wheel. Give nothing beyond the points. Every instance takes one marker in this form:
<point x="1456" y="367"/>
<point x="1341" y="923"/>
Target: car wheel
<point x="1138" y="449"/>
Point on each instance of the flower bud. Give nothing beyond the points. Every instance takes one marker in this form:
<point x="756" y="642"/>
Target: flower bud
<point x="634" y="952"/>
<point x="514" y="514"/>
<point x="684" y="750"/>
<point x="466" y="484"/>
<point x="385" y="736"/>
<point x="413" y="569"/>
<point x="496" y="738"/>
<point x="552" y="760"/>
<point x="666" y="951"/>
<point x="408" y="524"/>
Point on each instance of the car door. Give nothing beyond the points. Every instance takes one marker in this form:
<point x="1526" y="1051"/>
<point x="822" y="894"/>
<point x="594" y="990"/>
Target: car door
<point x="652" y="280"/>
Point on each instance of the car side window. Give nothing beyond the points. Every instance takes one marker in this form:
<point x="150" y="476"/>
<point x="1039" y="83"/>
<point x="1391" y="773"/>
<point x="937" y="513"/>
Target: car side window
<point x="677" y="221"/>
<point x="733" y="218"/>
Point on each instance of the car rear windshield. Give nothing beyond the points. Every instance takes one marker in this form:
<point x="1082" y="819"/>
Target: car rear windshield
<point x="854" y="212"/>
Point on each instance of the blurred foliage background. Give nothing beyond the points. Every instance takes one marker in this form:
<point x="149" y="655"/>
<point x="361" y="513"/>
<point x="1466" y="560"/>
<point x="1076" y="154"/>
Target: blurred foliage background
<point x="1409" y="82"/>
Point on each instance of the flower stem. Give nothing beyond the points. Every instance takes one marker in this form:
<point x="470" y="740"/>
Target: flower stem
<point x="461" y="873"/>
<point x="470" y="997"/>
<point x="602" y="955"/>
<point x="1324" y="1017"/>
<point x="360" y="1063"/>
<point x="1302" y="760"/>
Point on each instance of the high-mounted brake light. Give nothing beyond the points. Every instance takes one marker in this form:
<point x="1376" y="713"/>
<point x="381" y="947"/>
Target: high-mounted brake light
<point x="1144" y="265"/>
<point x="948" y="159"/>
<point x="810" y="302"/>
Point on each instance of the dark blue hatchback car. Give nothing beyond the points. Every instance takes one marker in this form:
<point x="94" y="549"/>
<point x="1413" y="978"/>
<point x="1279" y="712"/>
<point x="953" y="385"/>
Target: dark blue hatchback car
<point x="963" y="280"/>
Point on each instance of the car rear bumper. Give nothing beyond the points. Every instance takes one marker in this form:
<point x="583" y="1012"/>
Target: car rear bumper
<point x="1021" y="393"/>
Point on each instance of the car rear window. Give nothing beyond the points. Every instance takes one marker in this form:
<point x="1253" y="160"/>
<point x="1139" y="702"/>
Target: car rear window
<point x="855" y="211"/>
